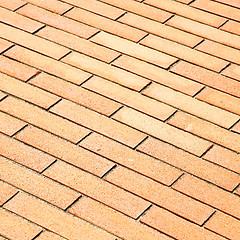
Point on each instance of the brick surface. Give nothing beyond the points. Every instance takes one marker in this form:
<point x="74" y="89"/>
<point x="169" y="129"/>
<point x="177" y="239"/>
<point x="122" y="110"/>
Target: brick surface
<point x="232" y="27"/>
<point x="49" y="235"/>
<point x="234" y="3"/>
<point x="236" y="128"/>
<point x="12" y="5"/>
<point x="4" y="45"/>
<point x="233" y="71"/>
<point x="6" y="192"/>
<point x="2" y="95"/>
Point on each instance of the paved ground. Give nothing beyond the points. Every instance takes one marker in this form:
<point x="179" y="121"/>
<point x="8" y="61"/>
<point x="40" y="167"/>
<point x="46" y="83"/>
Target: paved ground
<point x="119" y="119"/>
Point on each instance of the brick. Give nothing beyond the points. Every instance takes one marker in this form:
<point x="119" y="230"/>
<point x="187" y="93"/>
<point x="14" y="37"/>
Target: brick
<point x="106" y="71"/>
<point x="97" y="189"/>
<point x="129" y="97"/>
<point x="43" y="119"/>
<point x="10" y="125"/>
<point x="24" y="154"/>
<point x="129" y="158"/>
<point x="162" y="131"/>
<point x="78" y="44"/>
<point x="18" y="21"/>
<point x="12" y="5"/>
<point x="224" y="157"/>
<point x="184" y="1"/>
<point x="234" y="3"/>
<point x="191" y="105"/>
<point x="48" y="65"/>
<point x="105" y="24"/>
<point x="6" y="192"/>
<point x="75" y="93"/>
<point x="189" y="163"/>
<point x="175" y="226"/>
<point x="209" y="194"/>
<point x="46" y="235"/>
<point x="55" y="219"/>
<point x="205" y="77"/>
<point x="188" y="12"/>
<point x="236" y="128"/>
<point x="159" y="29"/>
<point x="232" y="27"/>
<point x="206" y="130"/>
<point x="4" y="45"/>
<point x="133" y="49"/>
<point x="237" y="191"/>
<point x="65" y="150"/>
<point x="2" y="95"/>
<point x="98" y="123"/>
<point x="185" y="53"/>
<point x="233" y="71"/>
<point x="205" y="31"/>
<point x="158" y="75"/>
<point x="110" y="220"/>
<point x="14" y="227"/>
<point x="57" y="21"/>
<point x="27" y="92"/>
<point x="16" y="69"/>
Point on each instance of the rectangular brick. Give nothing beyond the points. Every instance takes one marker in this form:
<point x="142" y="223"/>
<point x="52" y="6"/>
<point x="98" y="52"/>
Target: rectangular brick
<point x="27" y="92"/>
<point x="75" y="93"/>
<point x="106" y="71"/>
<point x="57" y="21"/>
<point x="48" y="65"/>
<point x="232" y="27"/>
<point x="37" y="184"/>
<point x="43" y="119"/>
<point x="185" y="53"/>
<point x="65" y="150"/>
<point x="158" y="75"/>
<point x="133" y="49"/>
<point x="105" y="24"/>
<point x="6" y="192"/>
<point x="209" y="194"/>
<point x="4" y="45"/>
<point x="237" y="191"/>
<point x="191" y="105"/>
<point x="236" y="128"/>
<point x="55" y="219"/>
<point x="234" y="3"/>
<point x="129" y="97"/>
<point x="233" y="71"/>
<point x="98" y="123"/>
<point x="46" y="235"/>
<point x="2" y="95"/>
<point x="184" y="1"/>
<point x="12" y="5"/>
<point x="160" y="195"/>
<point x="162" y="131"/>
<point x="98" y="189"/>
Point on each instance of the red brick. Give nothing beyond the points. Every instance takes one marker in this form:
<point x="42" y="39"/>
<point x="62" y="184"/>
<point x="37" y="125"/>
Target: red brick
<point x="55" y="219"/>
<point x="98" y="123"/>
<point x="4" y="45"/>
<point x="12" y="5"/>
<point x="6" y="191"/>
<point x="75" y="93"/>
<point x="133" y="49"/>
<point x="185" y="53"/>
<point x="65" y="150"/>
<point x="232" y="27"/>
<point x="98" y="189"/>
<point x="233" y="71"/>
<point x="57" y="21"/>
<point x="49" y="235"/>
<point x="236" y="128"/>
<point x="129" y="98"/>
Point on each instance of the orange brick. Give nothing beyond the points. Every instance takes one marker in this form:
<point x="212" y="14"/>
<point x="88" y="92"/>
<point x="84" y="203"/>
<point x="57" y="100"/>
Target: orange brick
<point x="209" y="194"/>
<point x="55" y="219"/>
<point x="188" y="12"/>
<point x="99" y="123"/>
<point x="205" y="31"/>
<point x="184" y="1"/>
<point x="106" y="71"/>
<point x="205" y="77"/>
<point x="158" y="75"/>
<point x="10" y="125"/>
<point x="129" y="158"/>
<point x="12" y="5"/>
<point x="43" y="119"/>
<point x="27" y="92"/>
<point x="75" y="93"/>
<point x="65" y="150"/>
<point x="233" y="71"/>
<point x="129" y="98"/>
<point x="175" y="226"/>
<point x="159" y="29"/>
<point x="98" y="189"/>
<point x="185" y="53"/>
<point x="23" y="154"/>
<point x="4" y="45"/>
<point x="19" y="21"/>
<point x="237" y="191"/>
<point x="162" y="131"/>
<point x="191" y="105"/>
<point x="46" y="235"/>
<point x="78" y="44"/>
<point x="133" y="49"/>
<point x="206" y="130"/>
<point x="224" y="157"/>
<point x="234" y="3"/>
<point x="2" y="95"/>
<point x="236" y="128"/>
<point x="189" y="163"/>
<point x="48" y="65"/>
<point x="111" y="220"/>
<point x="57" y="21"/>
<point x="6" y="191"/>
<point x="105" y="24"/>
<point x="232" y="27"/>
<point x="14" y="227"/>
<point x="160" y="195"/>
